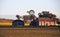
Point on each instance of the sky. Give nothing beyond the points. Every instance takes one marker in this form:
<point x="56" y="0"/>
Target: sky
<point x="10" y="8"/>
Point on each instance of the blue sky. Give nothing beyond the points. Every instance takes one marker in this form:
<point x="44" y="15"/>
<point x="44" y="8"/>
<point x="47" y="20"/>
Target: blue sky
<point x="10" y="8"/>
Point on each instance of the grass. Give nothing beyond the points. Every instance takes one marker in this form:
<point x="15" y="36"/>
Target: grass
<point x="30" y="32"/>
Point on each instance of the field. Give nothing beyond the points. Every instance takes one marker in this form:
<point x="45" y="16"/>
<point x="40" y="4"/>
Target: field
<point x="30" y="32"/>
<point x="5" y="22"/>
<point x="8" y="31"/>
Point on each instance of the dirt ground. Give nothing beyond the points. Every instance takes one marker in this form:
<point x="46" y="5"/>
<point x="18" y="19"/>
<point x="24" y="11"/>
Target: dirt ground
<point x="29" y="32"/>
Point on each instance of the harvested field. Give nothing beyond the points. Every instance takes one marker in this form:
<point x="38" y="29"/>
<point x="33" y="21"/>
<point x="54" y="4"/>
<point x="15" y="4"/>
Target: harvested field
<point x="30" y="32"/>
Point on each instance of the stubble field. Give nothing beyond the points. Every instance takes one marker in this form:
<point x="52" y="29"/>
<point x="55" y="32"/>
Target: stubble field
<point x="30" y="32"/>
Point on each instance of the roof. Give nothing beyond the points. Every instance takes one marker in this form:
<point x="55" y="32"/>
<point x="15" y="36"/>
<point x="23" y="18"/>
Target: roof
<point x="44" y="19"/>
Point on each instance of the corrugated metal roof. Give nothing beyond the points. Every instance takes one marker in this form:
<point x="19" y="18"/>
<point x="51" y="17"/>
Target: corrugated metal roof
<point x="44" y="19"/>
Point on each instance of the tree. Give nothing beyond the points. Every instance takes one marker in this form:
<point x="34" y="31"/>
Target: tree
<point x="31" y="12"/>
<point x="47" y="14"/>
<point x="39" y="14"/>
<point x="18" y="17"/>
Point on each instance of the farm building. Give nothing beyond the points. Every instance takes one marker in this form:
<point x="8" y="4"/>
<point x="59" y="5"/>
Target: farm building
<point x="47" y="22"/>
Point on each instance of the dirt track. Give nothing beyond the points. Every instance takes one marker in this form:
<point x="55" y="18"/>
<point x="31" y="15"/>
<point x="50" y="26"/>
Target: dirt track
<point x="29" y="32"/>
